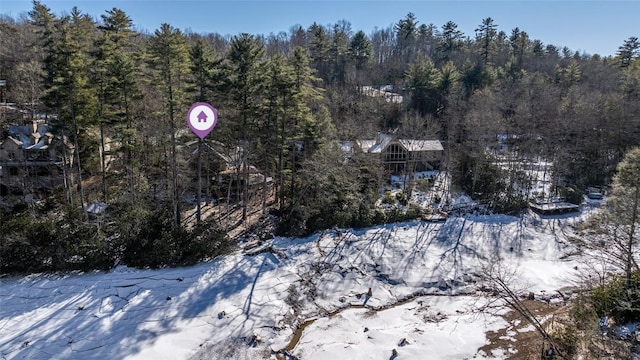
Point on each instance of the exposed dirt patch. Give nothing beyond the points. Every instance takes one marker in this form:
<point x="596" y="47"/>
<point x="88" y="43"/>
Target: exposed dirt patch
<point x="520" y="340"/>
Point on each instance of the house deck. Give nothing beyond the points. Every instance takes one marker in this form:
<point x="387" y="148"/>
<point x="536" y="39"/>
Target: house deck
<point x="554" y="208"/>
<point x="439" y="217"/>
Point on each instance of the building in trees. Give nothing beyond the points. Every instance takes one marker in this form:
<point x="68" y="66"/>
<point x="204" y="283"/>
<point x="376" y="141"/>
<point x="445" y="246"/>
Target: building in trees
<point x="32" y="160"/>
<point x="384" y="92"/>
<point x="401" y="155"/>
<point x="223" y="167"/>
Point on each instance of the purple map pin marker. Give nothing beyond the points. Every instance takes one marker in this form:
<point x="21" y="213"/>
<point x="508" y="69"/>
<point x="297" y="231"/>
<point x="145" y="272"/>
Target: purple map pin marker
<point x="202" y="118"/>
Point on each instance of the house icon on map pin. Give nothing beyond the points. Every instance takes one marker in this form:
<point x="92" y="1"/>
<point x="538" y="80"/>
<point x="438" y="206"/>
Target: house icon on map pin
<point x="202" y="117"/>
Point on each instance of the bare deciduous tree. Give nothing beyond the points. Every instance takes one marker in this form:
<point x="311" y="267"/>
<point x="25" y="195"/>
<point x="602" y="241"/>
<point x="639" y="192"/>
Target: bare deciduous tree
<point x="502" y="282"/>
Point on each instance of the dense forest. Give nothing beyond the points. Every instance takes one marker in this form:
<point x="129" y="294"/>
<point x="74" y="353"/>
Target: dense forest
<point x="119" y="98"/>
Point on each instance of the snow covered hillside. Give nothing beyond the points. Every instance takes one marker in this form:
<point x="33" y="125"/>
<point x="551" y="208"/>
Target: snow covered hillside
<point x="371" y="291"/>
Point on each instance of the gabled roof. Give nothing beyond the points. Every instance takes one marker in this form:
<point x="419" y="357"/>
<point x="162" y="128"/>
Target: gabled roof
<point x="375" y="146"/>
<point x="232" y="156"/>
<point x="16" y="142"/>
<point x="411" y="145"/>
<point x="22" y="135"/>
<point x="97" y="208"/>
<point x="421" y="145"/>
<point x="40" y="145"/>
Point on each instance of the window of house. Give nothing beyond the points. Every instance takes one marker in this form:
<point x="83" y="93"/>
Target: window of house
<point x="12" y="155"/>
<point x="395" y="152"/>
<point x="13" y="171"/>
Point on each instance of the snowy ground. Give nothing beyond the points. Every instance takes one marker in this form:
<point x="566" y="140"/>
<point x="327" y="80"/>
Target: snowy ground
<point x="248" y="307"/>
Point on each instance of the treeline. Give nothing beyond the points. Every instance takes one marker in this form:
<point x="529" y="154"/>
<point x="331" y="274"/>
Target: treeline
<point x="284" y="101"/>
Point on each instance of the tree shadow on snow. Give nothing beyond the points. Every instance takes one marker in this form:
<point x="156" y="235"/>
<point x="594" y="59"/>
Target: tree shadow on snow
<point x="110" y="315"/>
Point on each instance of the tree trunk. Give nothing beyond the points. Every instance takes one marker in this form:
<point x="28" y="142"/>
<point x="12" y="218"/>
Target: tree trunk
<point x="129" y="155"/>
<point x="265" y="190"/>
<point x="102" y="159"/>
<point x="102" y="154"/>
<point x="65" y="172"/>
<point x="77" y="152"/>
<point x="634" y="218"/>
<point x="245" y="185"/>
<point x="174" y="166"/>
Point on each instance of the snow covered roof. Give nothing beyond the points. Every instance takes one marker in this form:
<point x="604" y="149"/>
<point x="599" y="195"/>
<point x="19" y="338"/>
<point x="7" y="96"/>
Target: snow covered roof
<point x="385" y="92"/>
<point x="97" y="208"/>
<point x="20" y="135"/>
<point x="40" y="145"/>
<point x="377" y="146"/>
<point x="422" y="145"/>
<point x="24" y="136"/>
<point x="347" y="147"/>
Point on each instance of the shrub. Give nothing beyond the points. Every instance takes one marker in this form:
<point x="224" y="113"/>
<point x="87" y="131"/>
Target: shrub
<point x="614" y="299"/>
<point x="424" y="185"/>
<point x="572" y="194"/>
<point x="387" y="198"/>
<point x="206" y="240"/>
<point x="50" y="242"/>
<point x="566" y="337"/>
<point x="509" y="204"/>
<point x="414" y="211"/>
<point x="402" y="198"/>
<point x="583" y="314"/>
<point x="139" y="237"/>
<point x="149" y="239"/>
<point x="293" y="222"/>
<point x="17" y="255"/>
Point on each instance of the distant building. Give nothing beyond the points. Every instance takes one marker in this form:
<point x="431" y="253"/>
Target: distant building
<point x="226" y="173"/>
<point x="400" y="155"/>
<point x="31" y="160"/>
<point x="384" y="92"/>
<point x="96" y="210"/>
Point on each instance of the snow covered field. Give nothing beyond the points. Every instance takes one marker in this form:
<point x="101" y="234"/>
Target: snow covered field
<point x="248" y="307"/>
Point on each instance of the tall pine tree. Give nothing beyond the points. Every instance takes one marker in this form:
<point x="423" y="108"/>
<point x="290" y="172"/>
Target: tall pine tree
<point x="169" y="53"/>
<point x="244" y="80"/>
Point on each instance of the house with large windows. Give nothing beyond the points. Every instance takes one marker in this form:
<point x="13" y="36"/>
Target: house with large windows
<point x="400" y="155"/>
